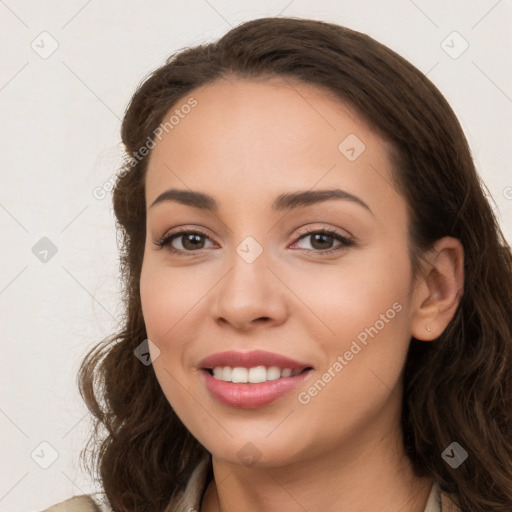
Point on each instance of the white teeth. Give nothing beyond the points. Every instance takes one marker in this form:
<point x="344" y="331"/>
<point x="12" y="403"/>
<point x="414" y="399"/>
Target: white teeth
<point x="257" y="374"/>
<point x="273" y="373"/>
<point x="253" y="375"/>
<point x="239" y="374"/>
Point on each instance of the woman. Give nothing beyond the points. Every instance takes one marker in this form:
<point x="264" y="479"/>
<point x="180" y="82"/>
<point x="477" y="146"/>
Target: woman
<point x="314" y="272"/>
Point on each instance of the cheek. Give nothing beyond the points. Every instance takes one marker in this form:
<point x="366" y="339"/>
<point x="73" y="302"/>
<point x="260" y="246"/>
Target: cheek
<point x="164" y="308"/>
<point x="168" y="298"/>
<point x="366" y="288"/>
<point x="367" y="310"/>
<point x="365" y="303"/>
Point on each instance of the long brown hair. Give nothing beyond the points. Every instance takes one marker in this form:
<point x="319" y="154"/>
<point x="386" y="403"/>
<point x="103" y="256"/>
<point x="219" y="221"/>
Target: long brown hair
<point x="457" y="388"/>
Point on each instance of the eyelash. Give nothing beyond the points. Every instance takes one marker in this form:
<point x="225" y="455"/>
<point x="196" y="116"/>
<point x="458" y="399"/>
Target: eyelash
<point x="165" y="241"/>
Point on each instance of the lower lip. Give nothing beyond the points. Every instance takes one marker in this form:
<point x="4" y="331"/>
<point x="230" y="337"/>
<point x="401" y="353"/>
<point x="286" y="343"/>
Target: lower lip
<point x="251" y="396"/>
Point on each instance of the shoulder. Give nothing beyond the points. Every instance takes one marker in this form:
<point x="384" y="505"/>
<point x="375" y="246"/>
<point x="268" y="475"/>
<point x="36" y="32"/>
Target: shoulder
<point x="440" y="501"/>
<point x="76" y="504"/>
<point x="447" y="505"/>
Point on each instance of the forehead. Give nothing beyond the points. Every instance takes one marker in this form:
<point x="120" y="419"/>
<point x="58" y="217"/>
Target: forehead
<point x="252" y="136"/>
<point x="272" y="111"/>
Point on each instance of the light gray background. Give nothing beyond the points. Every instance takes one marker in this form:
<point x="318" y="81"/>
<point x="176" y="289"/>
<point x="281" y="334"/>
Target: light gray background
<point x="60" y="117"/>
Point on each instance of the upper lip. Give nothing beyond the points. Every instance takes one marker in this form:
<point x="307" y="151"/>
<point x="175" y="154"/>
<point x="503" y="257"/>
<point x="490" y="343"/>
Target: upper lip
<point x="251" y="359"/>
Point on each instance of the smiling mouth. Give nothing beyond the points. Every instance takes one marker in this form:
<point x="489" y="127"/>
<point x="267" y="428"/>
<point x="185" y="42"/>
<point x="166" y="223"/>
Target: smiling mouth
<point x="254" y="375"/>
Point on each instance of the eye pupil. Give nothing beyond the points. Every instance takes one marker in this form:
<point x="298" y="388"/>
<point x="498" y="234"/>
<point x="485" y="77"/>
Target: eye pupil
<point x="321" y="238"/>
<point x="194" y="239"/>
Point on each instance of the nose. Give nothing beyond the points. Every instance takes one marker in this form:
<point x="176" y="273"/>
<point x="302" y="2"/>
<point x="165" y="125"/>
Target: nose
<point x="250" y="295"/>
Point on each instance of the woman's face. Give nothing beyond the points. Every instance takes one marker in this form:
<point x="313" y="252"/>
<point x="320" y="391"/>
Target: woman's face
<point x="256" y="287"/>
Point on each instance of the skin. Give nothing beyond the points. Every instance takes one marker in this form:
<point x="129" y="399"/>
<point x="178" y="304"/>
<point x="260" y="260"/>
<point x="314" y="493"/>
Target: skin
<point x="246" y="142"/>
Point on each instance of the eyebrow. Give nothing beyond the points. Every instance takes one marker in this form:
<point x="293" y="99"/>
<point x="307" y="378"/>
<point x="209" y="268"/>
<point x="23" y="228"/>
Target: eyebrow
<point x="288" y="201"/>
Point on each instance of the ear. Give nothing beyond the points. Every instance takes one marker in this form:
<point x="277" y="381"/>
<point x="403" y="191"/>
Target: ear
<point x="438" y="290"/>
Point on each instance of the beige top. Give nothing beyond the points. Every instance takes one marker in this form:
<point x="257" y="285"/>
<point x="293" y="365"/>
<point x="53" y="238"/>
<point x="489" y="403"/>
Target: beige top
<point x="192" y="495"/>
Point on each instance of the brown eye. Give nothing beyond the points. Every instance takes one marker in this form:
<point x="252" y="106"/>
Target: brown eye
<point x="323" y="241"/>
<point x="191" y="241"/>
<point x="184" y="242"/>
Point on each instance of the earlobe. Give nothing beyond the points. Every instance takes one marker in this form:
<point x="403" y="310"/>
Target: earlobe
<point x="439" y="291"/>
